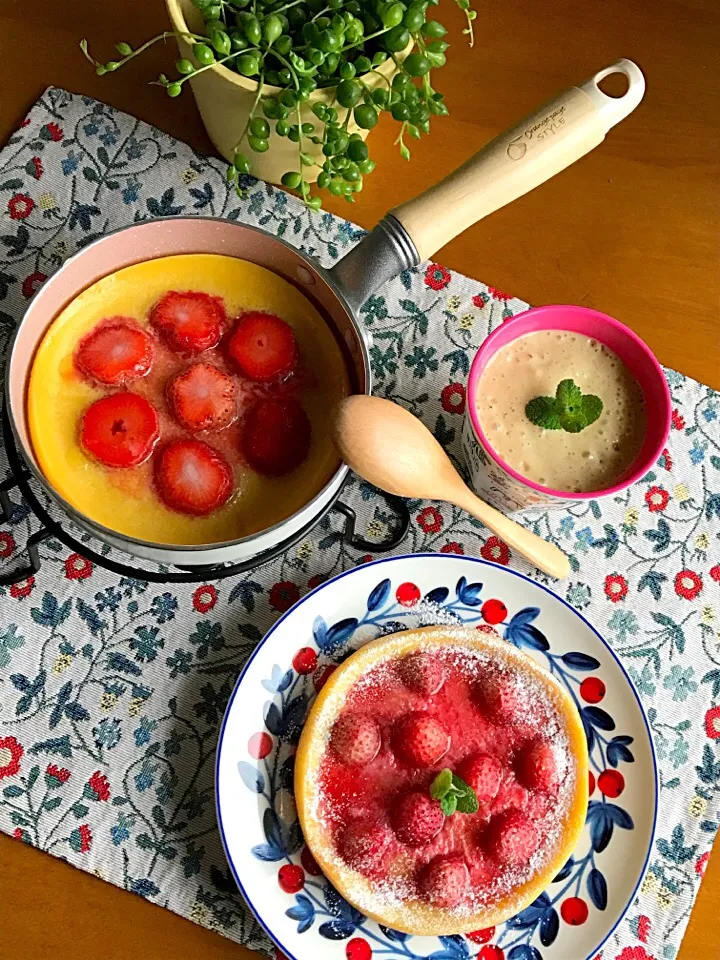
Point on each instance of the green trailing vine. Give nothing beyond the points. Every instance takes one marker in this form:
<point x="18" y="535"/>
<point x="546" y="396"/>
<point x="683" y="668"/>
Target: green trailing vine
<point x="301" y="46"/>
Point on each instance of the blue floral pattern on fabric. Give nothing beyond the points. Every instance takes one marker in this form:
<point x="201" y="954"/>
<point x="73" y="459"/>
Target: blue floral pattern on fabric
<point x="112" y="690"/>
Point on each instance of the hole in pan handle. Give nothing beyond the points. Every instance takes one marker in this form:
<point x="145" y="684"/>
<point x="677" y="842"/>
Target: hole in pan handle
<point x="614" y="109"/>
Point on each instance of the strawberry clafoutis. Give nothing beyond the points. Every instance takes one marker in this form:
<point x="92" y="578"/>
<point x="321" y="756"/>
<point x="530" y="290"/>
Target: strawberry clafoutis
<point x="441" y="780"/>
<point x="186" y="400"/>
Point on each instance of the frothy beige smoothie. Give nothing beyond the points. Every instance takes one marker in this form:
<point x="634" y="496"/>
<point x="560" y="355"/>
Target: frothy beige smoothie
<point x="533" y="366"/>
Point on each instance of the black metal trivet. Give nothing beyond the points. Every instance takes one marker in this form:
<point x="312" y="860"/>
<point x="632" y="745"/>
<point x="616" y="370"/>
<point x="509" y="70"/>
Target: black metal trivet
<point x="20" y="478"/>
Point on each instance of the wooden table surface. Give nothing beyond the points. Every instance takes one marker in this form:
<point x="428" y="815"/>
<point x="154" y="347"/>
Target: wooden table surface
<point x="632" y="229"/>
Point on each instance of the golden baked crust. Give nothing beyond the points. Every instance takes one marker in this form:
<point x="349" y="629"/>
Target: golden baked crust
<point x="416" y="916"/>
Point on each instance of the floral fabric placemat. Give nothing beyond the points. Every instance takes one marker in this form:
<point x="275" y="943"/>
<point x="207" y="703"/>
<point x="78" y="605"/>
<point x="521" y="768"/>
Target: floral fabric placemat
<point x="112" y="690"/>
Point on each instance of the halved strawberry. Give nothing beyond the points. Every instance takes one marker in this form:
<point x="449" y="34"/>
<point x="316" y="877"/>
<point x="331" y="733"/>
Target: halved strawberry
<point x="192" y="478"/>
<point x="263" y="346"/>
<point x="445" y="881"/>
<point x="189" y="322"/>
<point x="363" y="843"/>
<point x="537" y="767"/>
<point x="422" y="672"/>
<point x="483" y="773"/>
<point x="116" y="351"/>
<point x="276" y="436"/>
<point x="420" y="739"/>
<point x="355" y="738"/>
<point x="512" y="838"/>
<point x="417" y="818"/>
<point x="203" y="398"/>
<point x="120" y="430"/>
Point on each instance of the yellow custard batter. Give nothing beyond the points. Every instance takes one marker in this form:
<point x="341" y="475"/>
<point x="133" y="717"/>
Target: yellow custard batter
<point x="124" y="499"/>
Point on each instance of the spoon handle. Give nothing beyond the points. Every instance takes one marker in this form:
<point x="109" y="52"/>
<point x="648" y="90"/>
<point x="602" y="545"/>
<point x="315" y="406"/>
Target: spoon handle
<point x="545" y="556"/>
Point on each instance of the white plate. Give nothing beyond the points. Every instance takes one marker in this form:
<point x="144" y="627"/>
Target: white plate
<point x="257" y="818"/>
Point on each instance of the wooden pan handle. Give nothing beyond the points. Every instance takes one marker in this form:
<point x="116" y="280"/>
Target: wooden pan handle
<point x="515" y="162"/>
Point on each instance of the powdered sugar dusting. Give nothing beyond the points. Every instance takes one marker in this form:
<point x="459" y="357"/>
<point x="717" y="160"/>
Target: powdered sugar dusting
<point x="381" y="885"/>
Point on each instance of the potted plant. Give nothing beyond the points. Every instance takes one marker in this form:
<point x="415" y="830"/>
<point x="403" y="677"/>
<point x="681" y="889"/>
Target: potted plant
<point x="297" y="85"/>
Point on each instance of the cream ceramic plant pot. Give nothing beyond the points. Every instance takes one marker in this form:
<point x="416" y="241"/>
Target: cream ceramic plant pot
<point x="225" y="98"/>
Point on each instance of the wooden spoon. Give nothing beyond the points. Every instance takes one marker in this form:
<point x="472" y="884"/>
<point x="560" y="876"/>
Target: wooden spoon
<point x="392" y="449"/>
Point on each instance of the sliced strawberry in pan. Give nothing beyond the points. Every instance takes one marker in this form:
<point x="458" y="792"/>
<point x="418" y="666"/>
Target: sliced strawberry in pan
<point x="263" y="347"/>
<point x="276" y="436"/>
<point x="192" y="477"/>
<point x="120" y="430"/>
<point x="203" y="398"/>
<point x="116" y="351"/>
<point x="189" y="322"/>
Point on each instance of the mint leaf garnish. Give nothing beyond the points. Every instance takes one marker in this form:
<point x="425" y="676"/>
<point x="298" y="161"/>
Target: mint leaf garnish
<point x="541" y="411"/>
<point x="568" y="410"/>
<point x="449" y="804"/>
<point x="441" y="785"/>
<point x="453" y="793"/>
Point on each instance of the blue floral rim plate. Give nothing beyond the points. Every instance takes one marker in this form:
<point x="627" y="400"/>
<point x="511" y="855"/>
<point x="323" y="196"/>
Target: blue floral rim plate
<point x="305" y="917"/>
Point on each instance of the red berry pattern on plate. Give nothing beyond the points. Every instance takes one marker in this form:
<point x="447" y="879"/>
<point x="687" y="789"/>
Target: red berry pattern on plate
<point x="611" y="783"/>
<point x="493" y="611"/>
<point x="116" y="352"/>
<point x="263" y="347"/>
<point x="445" y="880"/>
<point x="190" y="322"/>
<point x="192" y="477"/>
<point x="276" y="436"/>
<point x="291" y="878"/>
<point x="421" y="740"/>
<point x="422" y="672"/>
<point x="574" y="911"/>
<point x="355" y="739"/>
<point x="417" y="818"/>
<point x="120" y="430"/>
<point x="407" y="594"/>
<point x="203" y="398"/>
<point x="592" y="690"/>
<point x="305" y="660"/>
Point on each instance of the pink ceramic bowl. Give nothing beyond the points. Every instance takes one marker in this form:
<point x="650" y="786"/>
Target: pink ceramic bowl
<point x="494" y="479"/>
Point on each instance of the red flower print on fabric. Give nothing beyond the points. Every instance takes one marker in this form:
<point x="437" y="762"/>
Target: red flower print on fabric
<point x="77" y="567"/>
<point x="702" y="863"/>
<point x="643" y="928"/>
<point x="430" y="520"/>
<point x="437" y="277"/>
<point x="86" y="837"/>
<point x="56" y="132"/>
<point x="31" y="283"/>
<point x="61" y="774"/>
<point x="34" y="167"/>
<point x="283" y="595"/>
<point x="712" y="723"/>
<point x="634" y="953"/>
<point x="665" y="460"/>
<point x="452" y="547"/>
<point x="98" y="787"/>
<point x="317" y="579"/>
<point x="205" y="598"/>
<point x="20" y="206"/>
<point x="479" y="300"/>
<point x="7" y="545"/>
<point x="656" y="499"/>
<point x="688" y="584"/>
<point x="496" y="550"/>
<point x="453" y="398"/>
<point x="17" y="833"/>
<point x="678" y="421"/>
<point x="616" y="587"/>
<point x="11" y="752"/>
<point x="498" y="294"/>
<point x="21" y="590"/>
<point x="715" y="573"/>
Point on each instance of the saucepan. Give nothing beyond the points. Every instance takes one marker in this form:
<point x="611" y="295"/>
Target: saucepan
<point x="512" y="164"/>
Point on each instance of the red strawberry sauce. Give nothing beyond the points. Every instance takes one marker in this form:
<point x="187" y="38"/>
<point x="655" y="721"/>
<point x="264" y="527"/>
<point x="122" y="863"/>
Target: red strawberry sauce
<point x="370" y="793"/>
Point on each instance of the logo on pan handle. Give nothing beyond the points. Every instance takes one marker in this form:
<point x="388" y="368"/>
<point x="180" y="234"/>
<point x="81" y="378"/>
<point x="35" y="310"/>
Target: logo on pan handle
<point x="517" y="148"/>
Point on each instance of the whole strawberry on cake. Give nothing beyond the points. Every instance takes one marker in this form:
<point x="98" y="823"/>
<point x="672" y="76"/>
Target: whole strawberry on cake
<point x="441" y="780"/>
